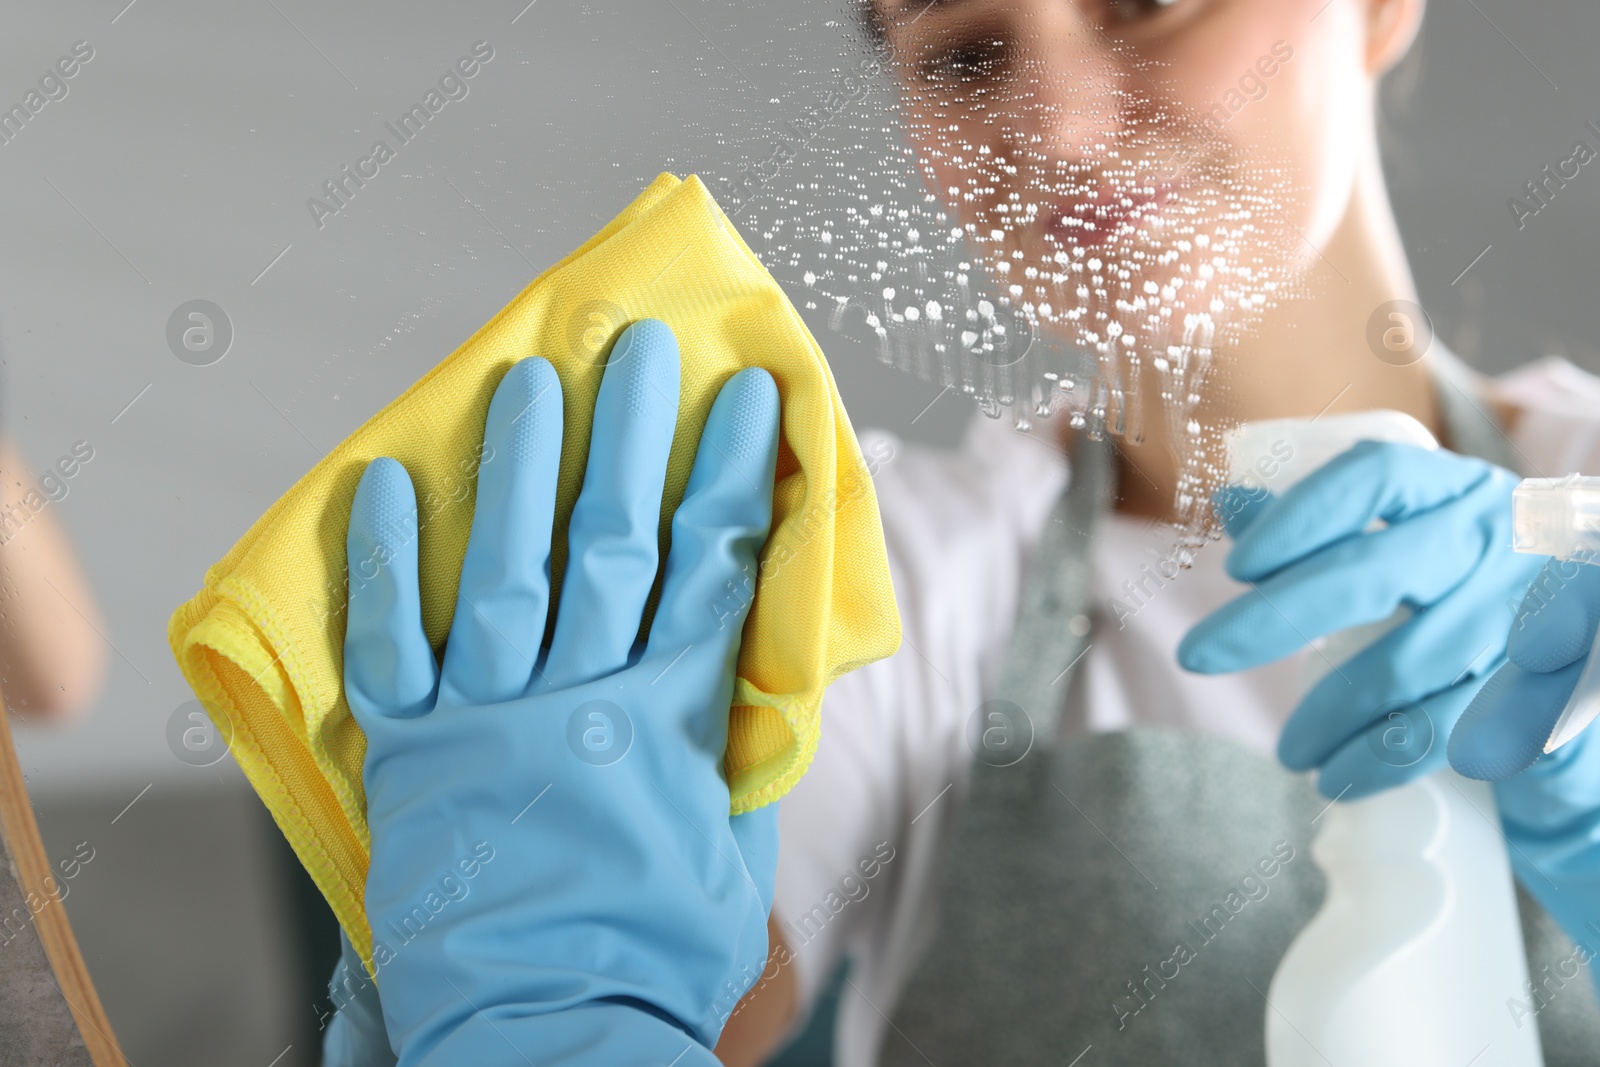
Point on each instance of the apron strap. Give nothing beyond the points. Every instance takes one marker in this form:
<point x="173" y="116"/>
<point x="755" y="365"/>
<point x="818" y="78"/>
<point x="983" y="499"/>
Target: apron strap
<point x="1053" y="618"/>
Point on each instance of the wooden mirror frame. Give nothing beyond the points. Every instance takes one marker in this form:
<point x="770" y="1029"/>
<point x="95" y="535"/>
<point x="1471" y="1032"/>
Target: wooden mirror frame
<point x="49" y="1010"/>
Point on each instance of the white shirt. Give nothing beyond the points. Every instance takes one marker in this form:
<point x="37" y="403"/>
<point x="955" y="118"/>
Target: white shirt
<point x="864" y="832"/>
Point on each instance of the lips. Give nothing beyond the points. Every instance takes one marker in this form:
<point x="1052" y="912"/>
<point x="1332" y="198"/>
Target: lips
<point x="1092" y="222"/>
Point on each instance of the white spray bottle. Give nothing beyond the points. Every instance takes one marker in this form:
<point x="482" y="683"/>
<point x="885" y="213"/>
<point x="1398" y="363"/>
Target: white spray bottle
<point x="1417" y="949"/>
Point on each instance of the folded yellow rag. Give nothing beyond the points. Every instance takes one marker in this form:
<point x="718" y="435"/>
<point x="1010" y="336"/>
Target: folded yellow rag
<point x="262" y="643"/>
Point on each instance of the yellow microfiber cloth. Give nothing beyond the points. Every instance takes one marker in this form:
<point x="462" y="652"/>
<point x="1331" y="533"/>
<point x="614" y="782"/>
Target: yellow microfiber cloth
<point x="262" y="643"/>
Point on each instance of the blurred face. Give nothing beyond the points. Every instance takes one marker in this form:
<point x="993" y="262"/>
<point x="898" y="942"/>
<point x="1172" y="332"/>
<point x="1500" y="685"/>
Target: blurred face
<point x="1137" y="174"/>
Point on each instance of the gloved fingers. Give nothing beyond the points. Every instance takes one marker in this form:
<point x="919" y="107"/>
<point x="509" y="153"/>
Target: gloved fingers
<point x="1556" y="621"/>
<point x="1373" y="480"/>
<point x="389" y="669"/>
<point x="1556" y="800"/>
<point x="756" y="834"/>
<point x="1231" y="638"/>
<point x="1359" y="580"/>
<point x="612" y="548"/>
<point x="1455" y="640"/>
<point x="1239" y="506"/>
<point x="505" y="576"/>
<point x="718" y="530"/>
<point x="1506" y="726"/>
<point x="1404" y="745"/>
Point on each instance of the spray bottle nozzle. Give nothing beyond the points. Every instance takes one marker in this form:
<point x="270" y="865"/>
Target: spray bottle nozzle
<point x="1557" y="517"/>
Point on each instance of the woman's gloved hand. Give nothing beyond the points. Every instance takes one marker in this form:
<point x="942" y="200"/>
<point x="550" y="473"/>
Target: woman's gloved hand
<point x="555" y="877"/>
<point x="1383" y="717"/>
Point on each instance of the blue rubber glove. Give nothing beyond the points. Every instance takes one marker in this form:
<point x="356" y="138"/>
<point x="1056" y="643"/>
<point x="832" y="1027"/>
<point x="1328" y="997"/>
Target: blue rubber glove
<point x="1381" y="718"/>
<point x="1550" y="814"/>
<point x="1549" y="804"/>
<point x="555" y="877"/>
<point x="354" y="1035"/>
<point x="1507" y="725"/>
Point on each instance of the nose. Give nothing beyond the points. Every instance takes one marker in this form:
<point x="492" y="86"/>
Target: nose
<point x="1071" y="91"/>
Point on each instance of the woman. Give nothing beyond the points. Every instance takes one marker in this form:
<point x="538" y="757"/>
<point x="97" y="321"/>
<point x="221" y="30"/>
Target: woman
<point x="1120" y="149"/>
<point x="1165" y="183"/>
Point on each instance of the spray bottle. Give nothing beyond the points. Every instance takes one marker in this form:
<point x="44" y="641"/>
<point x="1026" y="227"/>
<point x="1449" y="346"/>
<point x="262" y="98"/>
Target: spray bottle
<point x="1417" y="948"/>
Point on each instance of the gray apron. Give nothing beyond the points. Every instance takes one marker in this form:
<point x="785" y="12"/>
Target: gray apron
<point x="1126" y="897"/>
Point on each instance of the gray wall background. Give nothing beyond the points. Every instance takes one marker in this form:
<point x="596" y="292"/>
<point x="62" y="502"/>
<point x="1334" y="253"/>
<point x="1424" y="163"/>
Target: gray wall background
<point x="177" y="168"/>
